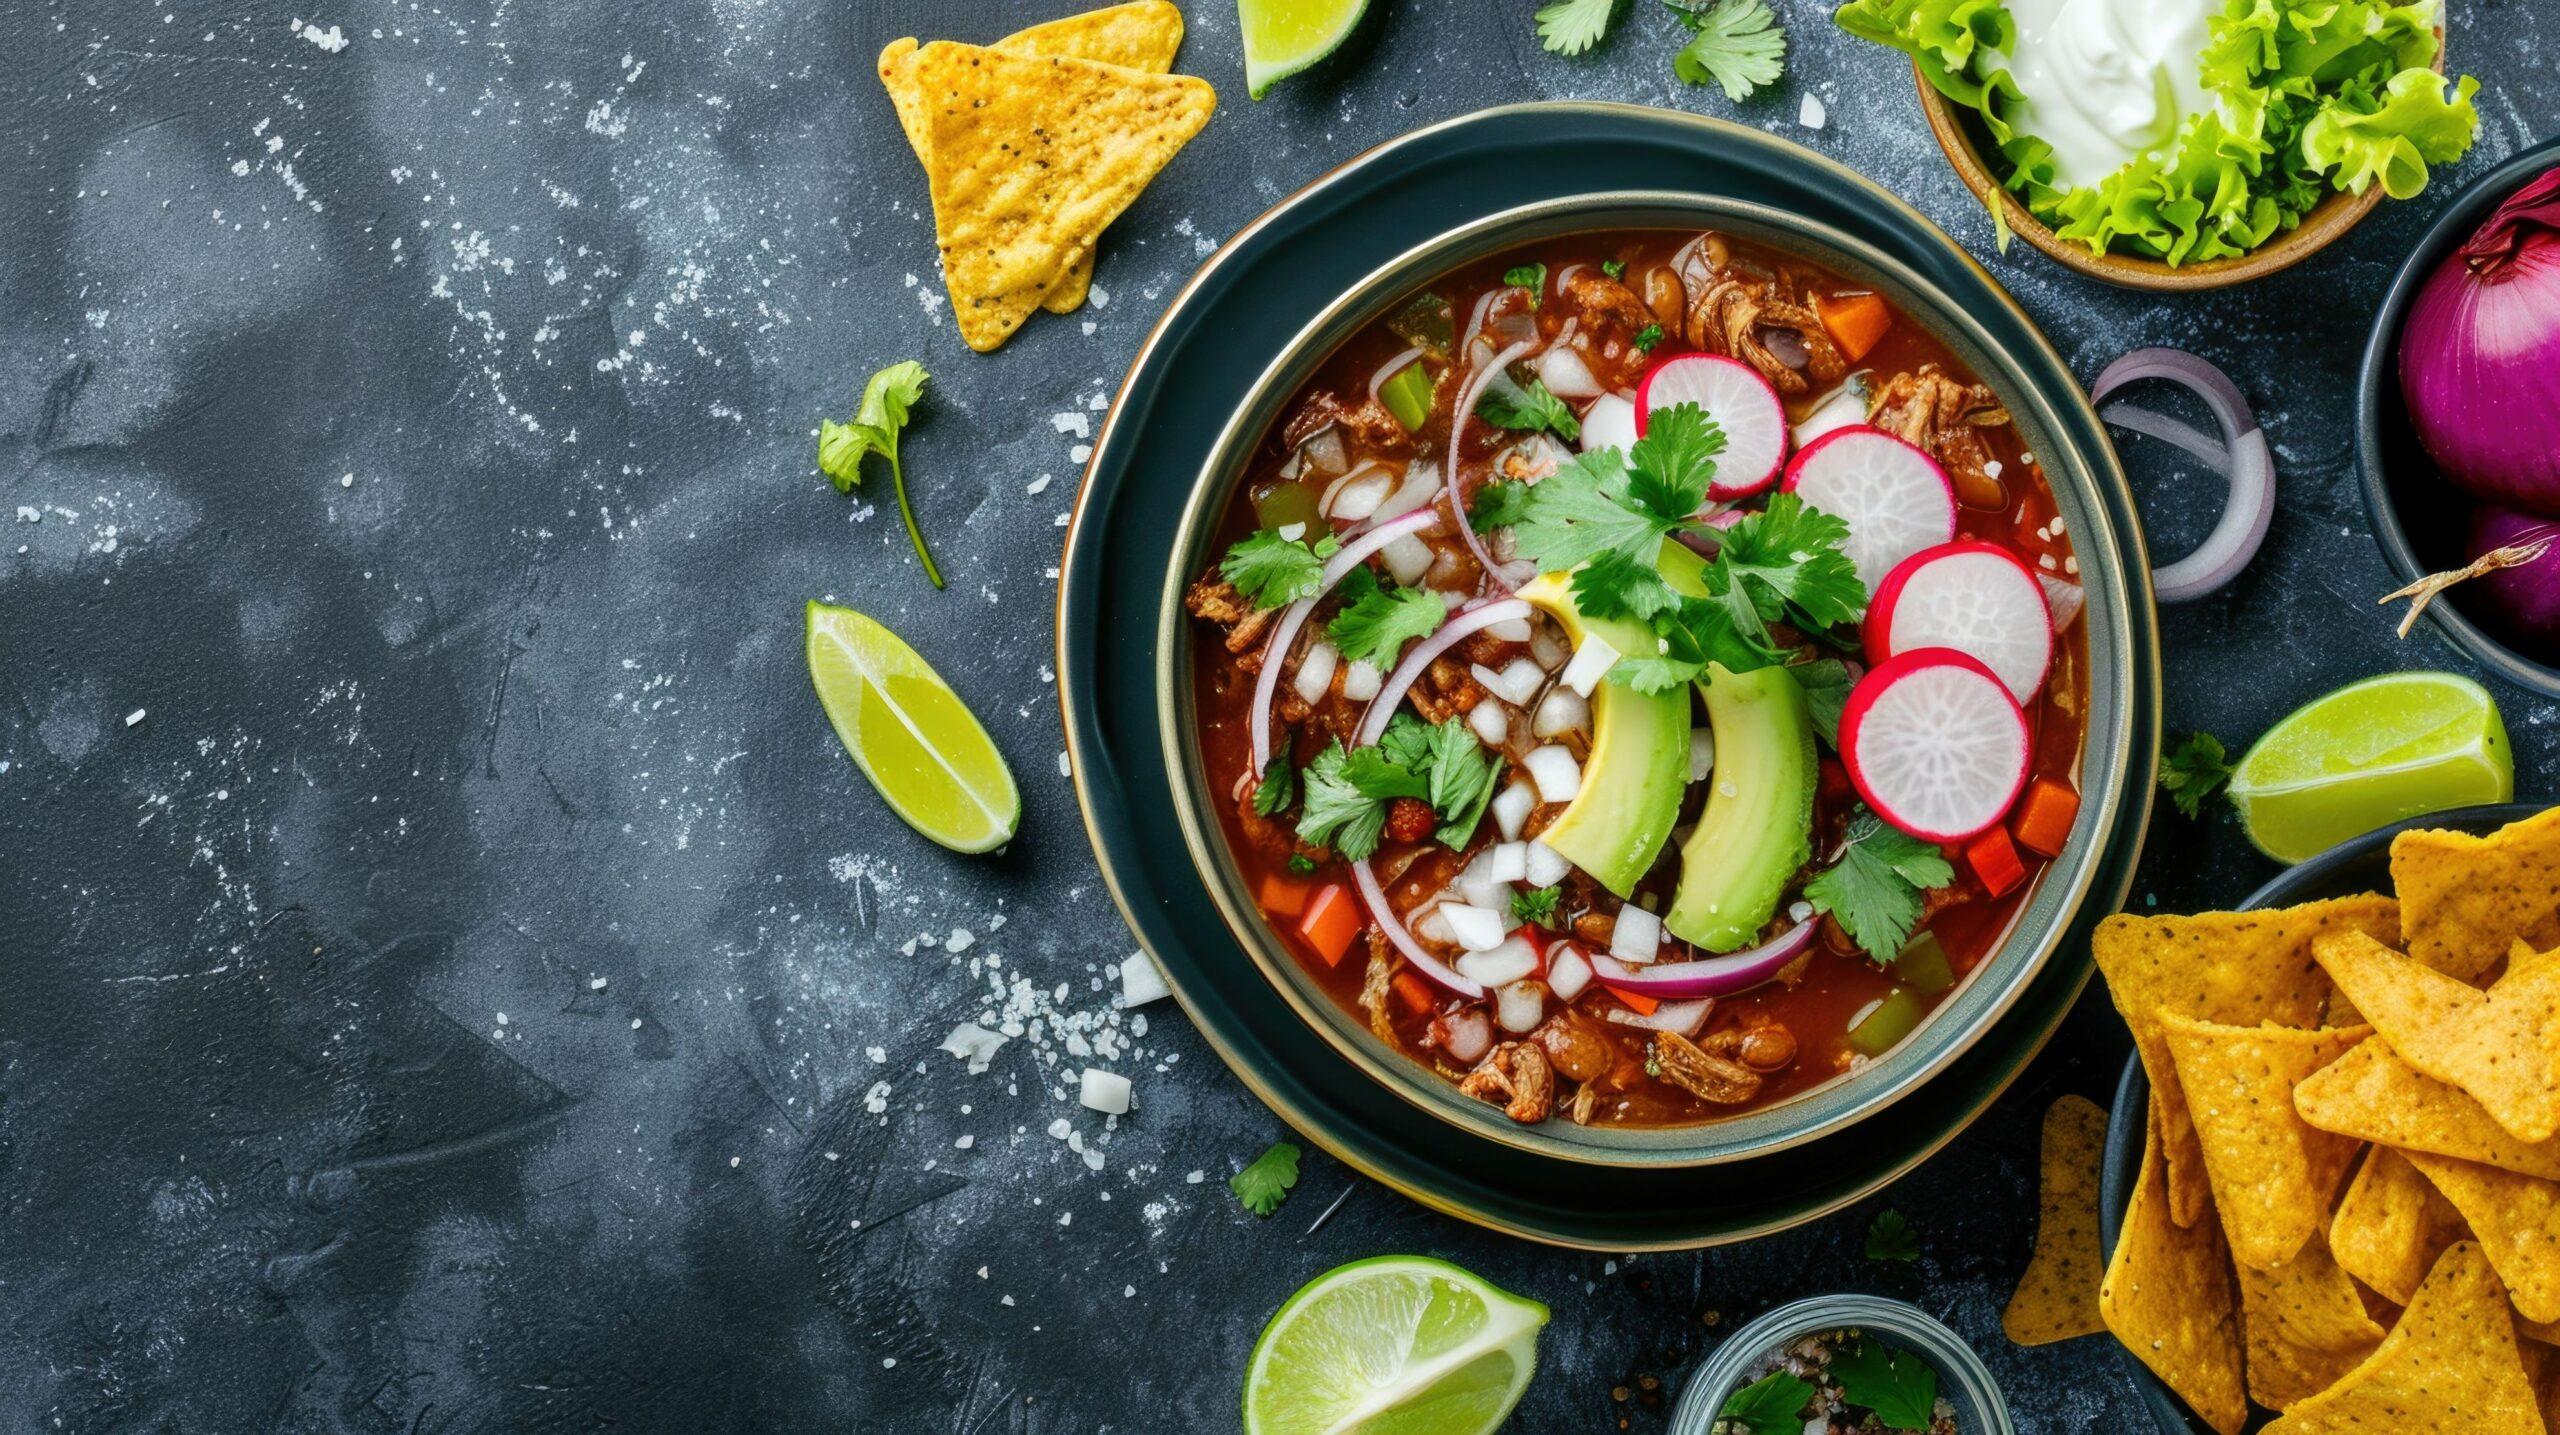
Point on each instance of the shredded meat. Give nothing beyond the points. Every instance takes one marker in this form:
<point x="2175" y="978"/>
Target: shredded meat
<point x="1215" y="600"/>
<point x="1744" y="319"/>
<point x="1366" y="425"/>
<point x="1515" y="1073"/>
<point x="1600" y="299"/>
<point x="1945" y="417"/>
<point x="1448" y="690"/>
<point x="1373" y="987"/>
<point x="1719" y="1079"/>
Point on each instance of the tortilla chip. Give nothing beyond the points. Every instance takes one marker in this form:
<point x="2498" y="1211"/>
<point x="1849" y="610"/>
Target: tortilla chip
<point x="2303" y="1326"/>
<point x="2373" y="1095"/>
<point x="2239" y="968"/>
<point x="2517" y="1219"/>
<point x="2274" y="1175"/>
<point x="1142" y="35"/>
<point x="2450" y="1364"/>
<point x="2167" y="1295"/>
<point x="2464" y="898"/>
<point x="2545" y="1331"/>
<point x="2501" y="1046"/>
<point x="1030" y="158"/>
<point x="2392" y="1225"/>
<point x="2057" y="1298"/>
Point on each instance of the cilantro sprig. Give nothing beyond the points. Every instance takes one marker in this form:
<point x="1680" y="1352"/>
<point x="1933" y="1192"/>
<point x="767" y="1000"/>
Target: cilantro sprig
<point x="1537" y="907"/>
<point x="1532" y="407"/>
<point x="1569" y="27"/>
<point x="2194" y="771"/>
<point x="1346" y="790"/>
<point x="1890" y="1237"/>
<point x="1900" y="1387"/>
<point x="1266" y="1182"/>
<point x="1271" y="571"/>
<point x="1375" y="622"/>
<point x="887" y="400"/>
<point x="1734" y="44"/>
<point x="1874" y="890"/>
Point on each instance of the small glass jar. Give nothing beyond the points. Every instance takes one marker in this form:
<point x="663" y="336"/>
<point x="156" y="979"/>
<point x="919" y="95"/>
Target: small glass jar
<point x="1963" y="1379"/>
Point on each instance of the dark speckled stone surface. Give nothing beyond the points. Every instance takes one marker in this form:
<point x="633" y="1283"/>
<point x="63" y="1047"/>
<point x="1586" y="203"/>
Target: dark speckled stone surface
<point x="450" y="978"/>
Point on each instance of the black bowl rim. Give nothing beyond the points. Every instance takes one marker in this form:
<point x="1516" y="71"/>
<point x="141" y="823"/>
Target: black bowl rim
<point x="2375" y="387"/>
<point x="2128" y="1115"/>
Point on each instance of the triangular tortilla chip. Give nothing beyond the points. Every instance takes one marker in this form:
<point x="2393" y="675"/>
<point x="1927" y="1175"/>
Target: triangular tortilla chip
<point x="2274" y="1175"/>
<point x="1030" y="159"/>
<point x="2373" y="1095"/>
<point x="2502" y="1046"/>
<point x="2521" y="957"/>
<point x="2392" y="1225"/>
<point x="2303" y="1326"/>
<point x="2057" y="1298"/>
<point x="2463" y="898"/>
<point x="1143" y="35"/>
<point x="2517" y="1219"/>
<point x="2167" y="1296"/>
<point x="2239" y="968"/>
<point x="2451" y="1364"/>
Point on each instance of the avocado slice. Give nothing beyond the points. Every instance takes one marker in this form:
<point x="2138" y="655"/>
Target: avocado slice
<point x="1631" y="784"/>
<point x="1757" y="830"/>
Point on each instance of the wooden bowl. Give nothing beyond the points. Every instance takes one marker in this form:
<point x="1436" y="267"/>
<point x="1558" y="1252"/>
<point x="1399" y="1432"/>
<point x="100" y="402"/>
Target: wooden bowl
<point x="2332" y="217"/>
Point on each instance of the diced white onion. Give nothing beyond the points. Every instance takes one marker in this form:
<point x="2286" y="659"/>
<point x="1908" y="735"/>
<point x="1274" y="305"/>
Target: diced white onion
<point x="1799" y="911"/>
<point x="1432" y="928"/>
<point x="1547" y="648"/>
<point x="1838" y="409"/>
<point x="1476" y="884"/>
<point x="1360" y="680"/>
<point x="1510" y="630"/>
<point x="1592" y="661"/>
<point x="1562" y="710"/>
<point x="1478" y="929"/>
<point x="1507" y="861"/>
<point x="1408" y="558"/>
<point x="1519" y="1006"/>
<point x="1467" y="1035"/>
<point x="1545" y="866"/>
<point x="1506" y="962"/>
<point x="1315" y="671"/>
<point x="1516" y="684"/>
<point x="1421" y="484"/>
<point x="1511" y="808"/>
<point x="1566" y="375"/>
<point x="1638" y="938"/>
<point x="1567" y="972"/>
<point x="1356" y="495"/>
<point x="2064" y="598"/>
<point x="1104" y="1091"/>
<point x="1610" y="422"/>
<point x="1489" y="723"/>
<point x="1702" y="753"/>
<point x="1324" y="452"/>
<point x="1552" y="768"/>
<point x="1140" y="982"/>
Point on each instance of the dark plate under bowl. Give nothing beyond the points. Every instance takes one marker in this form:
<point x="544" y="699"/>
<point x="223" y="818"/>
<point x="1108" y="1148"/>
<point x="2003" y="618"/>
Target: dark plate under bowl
<point x="2417" y="515"/>
<point x="1196" y="370"/>
<point x="2360" y="864"/>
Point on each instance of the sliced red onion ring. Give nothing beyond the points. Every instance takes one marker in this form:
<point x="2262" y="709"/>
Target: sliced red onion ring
<point x="1472" y="619"/>
<point x="1468" y="397"/>
<point x="1284" y="633"/>
<point x="2242" y="459"/>
<point x="1712" y="977"/>
<point x="1682" y="1017"/>
<point x="1441" y="975"/>
<point x="1475" y="325"/>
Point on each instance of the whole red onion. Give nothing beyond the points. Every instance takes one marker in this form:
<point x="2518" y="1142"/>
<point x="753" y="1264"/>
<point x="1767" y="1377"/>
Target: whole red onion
<point x="2521" y="602"/>
<point x="2480" y="355"/>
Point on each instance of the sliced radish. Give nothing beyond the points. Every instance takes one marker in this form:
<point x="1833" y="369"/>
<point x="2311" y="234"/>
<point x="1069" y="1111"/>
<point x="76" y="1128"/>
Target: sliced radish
<point x="1895" y="499"/>
<point x="1610" y="422"/>
<point x="1976" y="598"/>
<point x="1741" y="403"/>
<point x="1935" y="744"/>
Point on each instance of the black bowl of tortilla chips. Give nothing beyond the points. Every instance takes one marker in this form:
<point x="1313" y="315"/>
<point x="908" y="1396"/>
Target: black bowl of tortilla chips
<point x="2373" y="1242"/>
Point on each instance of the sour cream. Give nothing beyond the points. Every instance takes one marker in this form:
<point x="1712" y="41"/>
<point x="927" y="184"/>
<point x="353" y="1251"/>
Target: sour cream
<point x="2106" y="80"/>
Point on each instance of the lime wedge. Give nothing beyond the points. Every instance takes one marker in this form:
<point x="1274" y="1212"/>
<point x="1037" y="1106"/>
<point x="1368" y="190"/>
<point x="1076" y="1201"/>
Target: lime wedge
<point x="1397" y="1345"/>
<point x="1282" y="37"/>
<point x="2368" y="754"/>
<point x="910" y="734"/>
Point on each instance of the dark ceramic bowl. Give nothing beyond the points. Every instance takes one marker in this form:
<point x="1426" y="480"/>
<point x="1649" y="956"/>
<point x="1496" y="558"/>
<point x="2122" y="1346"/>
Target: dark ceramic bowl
<point x="2360" y="864"/>
<point x="1273" y="278"/>
<point x="2417" y="515"/>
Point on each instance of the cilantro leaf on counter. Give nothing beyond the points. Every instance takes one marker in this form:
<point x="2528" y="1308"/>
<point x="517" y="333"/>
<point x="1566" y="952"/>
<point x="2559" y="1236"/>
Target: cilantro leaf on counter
<point x="1735" y="44"/>
<point x="1874" y="890"/>
<point x="1271" y="571"/>
<point x="1375" y="626"/>
<point x="887" y="400"/>
<point x="2193" y="771"/>
<point x="1900" y="1387"/>
<point x="1569" y="27"/>
<point x="1532" y="407"/>
<point x="1278" y="787"/>
<point x="1772" y="1405"/>
<point x="1264" y="1184"/>
<point x="1890" y="1237"/>
<point x="1537" y="907"/>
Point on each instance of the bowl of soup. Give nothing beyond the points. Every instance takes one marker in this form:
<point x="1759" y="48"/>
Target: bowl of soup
<point x="1645" y="679"/>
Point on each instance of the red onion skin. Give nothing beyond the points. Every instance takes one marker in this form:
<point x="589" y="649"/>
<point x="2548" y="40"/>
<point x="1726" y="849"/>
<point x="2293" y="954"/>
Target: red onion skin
<point x="2522" y="603"/>
<point x="2480" y="356"/>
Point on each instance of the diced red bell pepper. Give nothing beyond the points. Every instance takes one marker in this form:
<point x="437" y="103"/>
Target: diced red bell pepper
<point x="1994" y="860"/>
<point x="1333" y="919"/>
<point x="1283" y="896"/>
<point x="2045" y="815"/>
